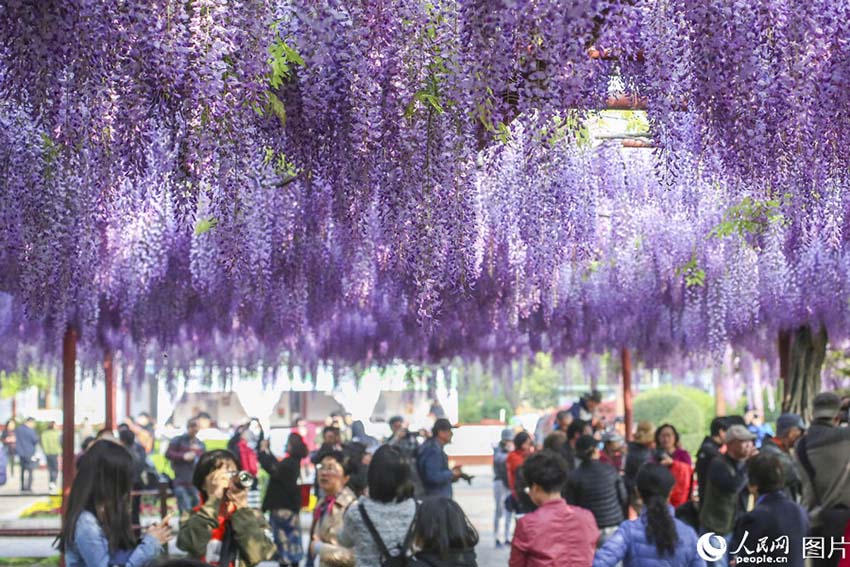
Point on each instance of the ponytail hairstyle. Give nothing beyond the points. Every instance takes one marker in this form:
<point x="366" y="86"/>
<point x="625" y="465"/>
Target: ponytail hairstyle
<point x="654" y="483"/>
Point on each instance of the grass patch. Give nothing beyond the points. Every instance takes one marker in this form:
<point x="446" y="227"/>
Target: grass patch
<point x="29" y="561"/>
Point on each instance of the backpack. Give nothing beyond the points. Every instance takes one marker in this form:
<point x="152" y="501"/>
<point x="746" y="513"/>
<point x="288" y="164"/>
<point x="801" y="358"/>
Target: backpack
<point x="401" y="557"/>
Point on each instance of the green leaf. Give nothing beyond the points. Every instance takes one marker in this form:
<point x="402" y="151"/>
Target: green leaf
<point x="694" y="275"/>
<point x="430" y="99"/>
<point x="283" y="58"/>
<point x="291" y="55"/>
<point x="205" y="225"/>
<point x="277" y="107"/>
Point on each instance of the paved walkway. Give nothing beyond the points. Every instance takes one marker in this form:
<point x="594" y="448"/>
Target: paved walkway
<point x="476" y="500"/>
<point x="13" y="502"/>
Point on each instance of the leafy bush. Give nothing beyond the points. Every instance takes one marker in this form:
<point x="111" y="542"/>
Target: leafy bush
<point x="480" y="403"/>
<point x="689" y="410"/>
<point x="541" y="387"/>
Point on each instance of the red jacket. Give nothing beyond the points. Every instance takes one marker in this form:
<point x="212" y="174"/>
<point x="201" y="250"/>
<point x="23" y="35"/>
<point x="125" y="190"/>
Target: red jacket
<point x="681" y="492"/>
<point x="513" y="462"/>
<point x="248" y="458"/>
<point x="534" y="545"/>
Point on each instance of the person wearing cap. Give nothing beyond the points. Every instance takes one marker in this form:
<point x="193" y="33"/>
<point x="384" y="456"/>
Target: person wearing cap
<point x="597" y="487"/>
<point x="639" y="452"/>
<point x="432" y="462"/>
<point x="585" y="408"/>
<point x="789" y="428"/>
<point x="726" y="496"/>
<point x="501" y="489"/>
<point x="612" y="451"/>
<point x="824" y="458"/>
<point x="708" y="451"/>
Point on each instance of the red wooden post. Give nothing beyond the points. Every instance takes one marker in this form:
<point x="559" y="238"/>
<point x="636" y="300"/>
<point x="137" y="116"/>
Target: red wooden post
<point x="69" y="361"/>
<point x="627" y="391"/>
<point x="127" y="380"/>
<point x="111" y="390"/>
<point x="784" y="348"/>
<point x="128" y="390"/>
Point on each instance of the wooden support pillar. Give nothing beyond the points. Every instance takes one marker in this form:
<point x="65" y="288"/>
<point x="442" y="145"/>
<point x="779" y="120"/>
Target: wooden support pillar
<point x="627" y="391"/>
<point x="784" y="348"/>
<point x="111" y="390"/>
<point x="128" y="400"/>
<point x="69" y="362"/>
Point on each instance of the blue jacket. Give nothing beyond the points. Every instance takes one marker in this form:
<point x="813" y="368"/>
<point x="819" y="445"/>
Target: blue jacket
<point x="774" y="516"/>
<point x="629" y="545"/>
<point x="90" y="547"/>
<point x="433" y="466"/>
<point x="27" y="440"/>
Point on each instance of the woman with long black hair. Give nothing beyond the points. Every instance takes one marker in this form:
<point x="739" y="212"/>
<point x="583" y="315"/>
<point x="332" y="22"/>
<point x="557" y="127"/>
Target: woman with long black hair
<point x="97" y="531"/>
<point x="283" y="498"/>
<point x="656" y="538"/>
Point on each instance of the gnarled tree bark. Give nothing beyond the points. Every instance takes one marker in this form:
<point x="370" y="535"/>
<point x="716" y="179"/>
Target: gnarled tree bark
<point x="803" y="351"/>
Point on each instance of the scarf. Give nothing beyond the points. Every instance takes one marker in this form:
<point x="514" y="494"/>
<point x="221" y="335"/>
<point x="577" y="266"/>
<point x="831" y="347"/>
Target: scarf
<point x="221" y="537"/>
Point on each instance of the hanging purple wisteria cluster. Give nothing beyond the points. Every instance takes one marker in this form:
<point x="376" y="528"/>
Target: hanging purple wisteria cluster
<point x="364" y="181"/>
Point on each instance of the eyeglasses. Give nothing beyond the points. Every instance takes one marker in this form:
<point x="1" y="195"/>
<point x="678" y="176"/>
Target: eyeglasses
<point x="325" y="469"/>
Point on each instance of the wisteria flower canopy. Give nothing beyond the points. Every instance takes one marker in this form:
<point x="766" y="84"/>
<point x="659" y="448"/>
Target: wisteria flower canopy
<point x="366" y="181"/>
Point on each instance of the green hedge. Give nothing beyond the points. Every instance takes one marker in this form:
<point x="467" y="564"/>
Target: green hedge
<point x="690" y="410"/>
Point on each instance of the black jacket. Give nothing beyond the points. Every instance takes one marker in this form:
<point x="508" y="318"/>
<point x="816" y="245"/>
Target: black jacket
<point x="637" y="455"/>
<point x="773" y="517"/>
<point x="708" y="451"/>
<point x="459" y="559"/>
<point x="283" y="491"/>
<point x="598" y="487"/>
<point x="726" y="495"/>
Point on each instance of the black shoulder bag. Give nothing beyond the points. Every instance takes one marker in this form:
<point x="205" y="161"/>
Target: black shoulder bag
<point x="388" y="559"/>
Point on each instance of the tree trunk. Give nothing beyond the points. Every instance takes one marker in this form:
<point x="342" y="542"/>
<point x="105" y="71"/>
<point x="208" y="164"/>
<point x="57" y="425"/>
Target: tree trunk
<point x="719" y="395"/>
<point x="805" y="361"/>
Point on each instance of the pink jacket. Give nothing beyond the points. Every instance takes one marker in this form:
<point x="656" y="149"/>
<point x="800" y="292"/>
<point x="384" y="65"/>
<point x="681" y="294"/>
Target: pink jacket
<point x="555" y="535"/>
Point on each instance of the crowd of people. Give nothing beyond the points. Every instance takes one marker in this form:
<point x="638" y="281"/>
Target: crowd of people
<point x="645" y="503"/>
<point x="387" y="503"/>
<point x="378" y="502"/>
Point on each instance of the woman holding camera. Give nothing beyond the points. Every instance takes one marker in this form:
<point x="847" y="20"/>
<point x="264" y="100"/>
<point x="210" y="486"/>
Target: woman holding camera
<point x="223" y="530"/>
